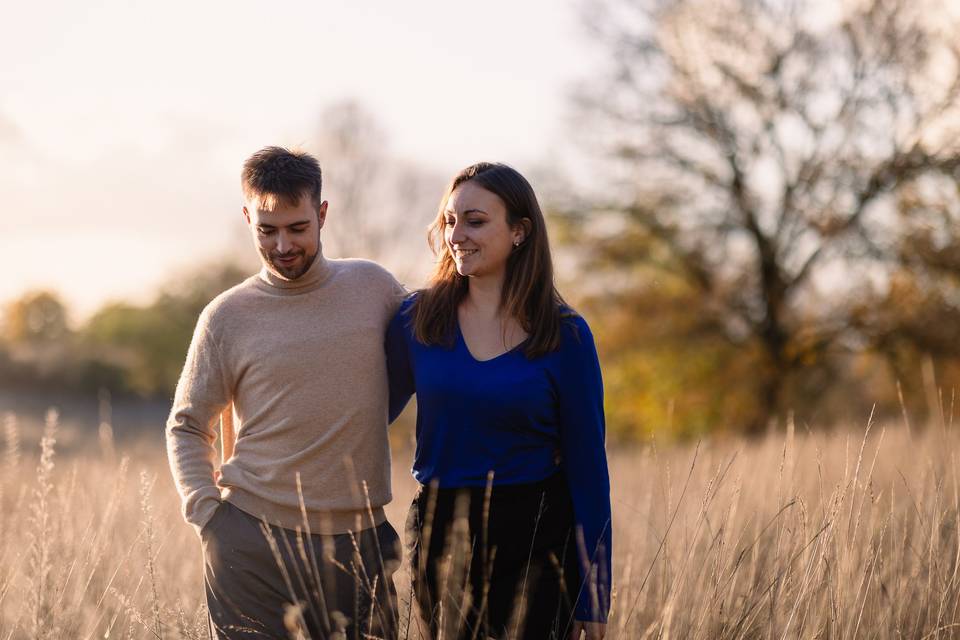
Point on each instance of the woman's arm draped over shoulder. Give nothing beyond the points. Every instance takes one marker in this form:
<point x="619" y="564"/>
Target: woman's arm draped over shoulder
<point x="582" y="434"/>
<point x="399" y="367"/>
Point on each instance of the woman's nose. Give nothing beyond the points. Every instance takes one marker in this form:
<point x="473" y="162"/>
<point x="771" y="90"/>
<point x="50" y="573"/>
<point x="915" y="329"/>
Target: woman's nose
<point x="456" y="234"/>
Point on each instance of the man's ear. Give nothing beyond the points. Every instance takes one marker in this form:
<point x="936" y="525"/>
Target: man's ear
<point x="246" y="214"/>
<point x="322" y="213"/>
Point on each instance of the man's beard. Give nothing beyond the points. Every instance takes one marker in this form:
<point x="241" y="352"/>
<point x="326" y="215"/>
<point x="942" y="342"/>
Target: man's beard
<point x="288" y="273"/>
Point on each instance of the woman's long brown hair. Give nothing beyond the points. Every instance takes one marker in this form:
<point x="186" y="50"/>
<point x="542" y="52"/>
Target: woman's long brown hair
<point x="528" y="293"/>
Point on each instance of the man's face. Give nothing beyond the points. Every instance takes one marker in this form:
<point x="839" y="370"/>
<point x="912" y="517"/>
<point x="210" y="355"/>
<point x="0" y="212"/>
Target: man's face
<point x="287" y="238"/>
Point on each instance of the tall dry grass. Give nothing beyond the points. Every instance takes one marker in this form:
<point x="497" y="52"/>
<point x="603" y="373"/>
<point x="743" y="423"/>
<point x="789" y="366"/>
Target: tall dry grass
<point x="799" y="535"/>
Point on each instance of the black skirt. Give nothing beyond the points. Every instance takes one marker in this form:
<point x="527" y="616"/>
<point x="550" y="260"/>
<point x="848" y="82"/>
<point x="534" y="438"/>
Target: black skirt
<point x="498" y="563"/>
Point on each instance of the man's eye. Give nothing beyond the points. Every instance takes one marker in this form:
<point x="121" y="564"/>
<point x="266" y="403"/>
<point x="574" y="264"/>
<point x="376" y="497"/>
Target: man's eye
<point x="265" y="232"/>
<point x="298" y="229"/>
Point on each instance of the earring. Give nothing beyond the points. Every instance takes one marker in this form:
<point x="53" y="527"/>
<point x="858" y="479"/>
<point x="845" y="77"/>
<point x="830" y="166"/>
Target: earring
<point x="516" y="243"/>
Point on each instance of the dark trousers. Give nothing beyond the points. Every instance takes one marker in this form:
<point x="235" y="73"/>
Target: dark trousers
<point x="281" y="584"/>
<point x="498" y="563"/>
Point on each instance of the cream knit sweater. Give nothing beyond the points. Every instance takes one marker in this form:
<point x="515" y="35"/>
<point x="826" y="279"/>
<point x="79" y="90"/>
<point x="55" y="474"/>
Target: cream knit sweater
<point x="303" y="363"/>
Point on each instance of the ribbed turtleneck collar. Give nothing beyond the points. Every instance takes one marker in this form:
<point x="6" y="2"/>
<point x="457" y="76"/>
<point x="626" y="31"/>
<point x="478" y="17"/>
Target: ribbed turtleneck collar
<point x="313" y="278"/>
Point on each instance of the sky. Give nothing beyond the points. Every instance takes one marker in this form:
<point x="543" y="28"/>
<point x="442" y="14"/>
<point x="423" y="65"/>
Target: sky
<point x="123" y="123"/>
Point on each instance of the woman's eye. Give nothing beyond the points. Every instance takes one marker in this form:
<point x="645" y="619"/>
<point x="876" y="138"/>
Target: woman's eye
<point x="476" y="222"/>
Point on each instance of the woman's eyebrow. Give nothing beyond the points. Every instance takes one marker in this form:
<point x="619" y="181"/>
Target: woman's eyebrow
<point x="451" y="212"/>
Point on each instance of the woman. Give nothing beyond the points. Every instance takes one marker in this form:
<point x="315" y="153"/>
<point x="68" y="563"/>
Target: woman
<point x="513" y="511"/>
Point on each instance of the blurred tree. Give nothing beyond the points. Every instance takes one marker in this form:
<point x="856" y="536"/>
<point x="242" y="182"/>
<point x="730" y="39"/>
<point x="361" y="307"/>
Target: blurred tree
<point x="380" y="205"/>
<point x="914" y="319"/>
<point x="36" y="317"/>
<point x="149" y="343"/>
<point x="139" y="342"/>
<point x="356" y="146"/>
<point x="759" y="146"/>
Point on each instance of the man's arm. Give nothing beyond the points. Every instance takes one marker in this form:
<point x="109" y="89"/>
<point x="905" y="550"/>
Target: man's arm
<point x="202" y="393"/>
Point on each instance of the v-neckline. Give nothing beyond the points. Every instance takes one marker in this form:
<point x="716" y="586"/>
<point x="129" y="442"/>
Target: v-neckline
<point x="466" y="347"/>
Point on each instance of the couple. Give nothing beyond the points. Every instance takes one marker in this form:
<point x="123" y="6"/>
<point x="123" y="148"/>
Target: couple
<point x="509" y="533"/>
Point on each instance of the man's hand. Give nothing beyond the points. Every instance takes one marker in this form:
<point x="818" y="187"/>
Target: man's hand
<point x="590" y="630"/>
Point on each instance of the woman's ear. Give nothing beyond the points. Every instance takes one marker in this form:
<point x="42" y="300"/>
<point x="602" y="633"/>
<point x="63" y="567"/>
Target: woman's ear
<point x="522" y="231"/>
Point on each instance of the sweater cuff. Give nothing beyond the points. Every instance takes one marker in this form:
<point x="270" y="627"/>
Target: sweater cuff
<point x="593" y="603"/>
<point x="199" y="511"/>
<point x="585" y="611"/>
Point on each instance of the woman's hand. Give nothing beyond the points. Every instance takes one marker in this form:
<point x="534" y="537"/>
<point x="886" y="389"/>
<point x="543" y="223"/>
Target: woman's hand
<point x="591" y="630"/>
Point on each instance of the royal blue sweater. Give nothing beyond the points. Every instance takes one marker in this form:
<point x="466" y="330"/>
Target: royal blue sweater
<point x="525" y="419"/>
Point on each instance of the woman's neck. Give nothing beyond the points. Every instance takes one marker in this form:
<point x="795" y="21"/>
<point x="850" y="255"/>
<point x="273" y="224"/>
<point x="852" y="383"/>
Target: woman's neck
<point x="483" y="296"/>
<point x="487" y="329"/>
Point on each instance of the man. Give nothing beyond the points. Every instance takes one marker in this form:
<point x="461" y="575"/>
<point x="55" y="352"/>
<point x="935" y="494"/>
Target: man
<point x="293" y="531"/>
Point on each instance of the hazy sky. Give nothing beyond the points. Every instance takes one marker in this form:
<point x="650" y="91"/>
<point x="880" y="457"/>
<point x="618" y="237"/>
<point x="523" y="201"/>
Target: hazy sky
<point x="123" y="123"/>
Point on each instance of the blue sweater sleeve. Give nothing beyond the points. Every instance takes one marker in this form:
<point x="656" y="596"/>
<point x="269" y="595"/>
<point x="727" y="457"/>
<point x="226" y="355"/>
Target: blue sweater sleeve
<point x="399" y="370"/>
<point x="582" y="433"/>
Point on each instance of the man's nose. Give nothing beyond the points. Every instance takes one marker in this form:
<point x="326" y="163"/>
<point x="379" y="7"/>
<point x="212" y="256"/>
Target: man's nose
<point x="283" y="242"/>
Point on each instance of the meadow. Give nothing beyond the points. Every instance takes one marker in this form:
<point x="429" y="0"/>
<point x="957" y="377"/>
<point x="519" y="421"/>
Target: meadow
<point x="799" y="534"/>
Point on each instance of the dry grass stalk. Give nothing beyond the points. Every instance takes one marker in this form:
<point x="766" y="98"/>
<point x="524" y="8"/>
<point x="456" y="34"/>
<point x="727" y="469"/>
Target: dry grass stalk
<point x="798" y="535"/>
<point x="11" y="436"/>
<point x="42" y="618"/>
<point x="146" y="485"/>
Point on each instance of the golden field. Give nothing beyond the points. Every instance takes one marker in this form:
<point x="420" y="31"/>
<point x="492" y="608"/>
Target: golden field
<point x="799" y="534"/>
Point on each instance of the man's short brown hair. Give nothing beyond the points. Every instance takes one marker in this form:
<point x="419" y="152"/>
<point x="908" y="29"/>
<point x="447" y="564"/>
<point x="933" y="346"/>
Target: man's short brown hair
<point x="275" y="174"/>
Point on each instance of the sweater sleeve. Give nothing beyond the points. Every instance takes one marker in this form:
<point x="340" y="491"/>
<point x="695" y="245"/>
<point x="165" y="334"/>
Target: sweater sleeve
<point x="395" y="293"/>
<point x="399" y="366"/>
<point x="202" y="393"/>
<point x="582" y="433"/>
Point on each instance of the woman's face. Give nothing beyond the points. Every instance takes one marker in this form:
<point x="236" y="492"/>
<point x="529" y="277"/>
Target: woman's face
<point x="477" y="233"/>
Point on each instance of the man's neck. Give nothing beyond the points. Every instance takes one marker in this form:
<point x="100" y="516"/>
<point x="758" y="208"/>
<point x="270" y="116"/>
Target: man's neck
<point x="315" y="274"/>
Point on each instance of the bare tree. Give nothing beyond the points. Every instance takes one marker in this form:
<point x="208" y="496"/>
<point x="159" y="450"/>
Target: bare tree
<point x="36" y="317"/>
<point x="761" y="145"/>
<point x="914" y="321"/>
<point x="381" y="204"/>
